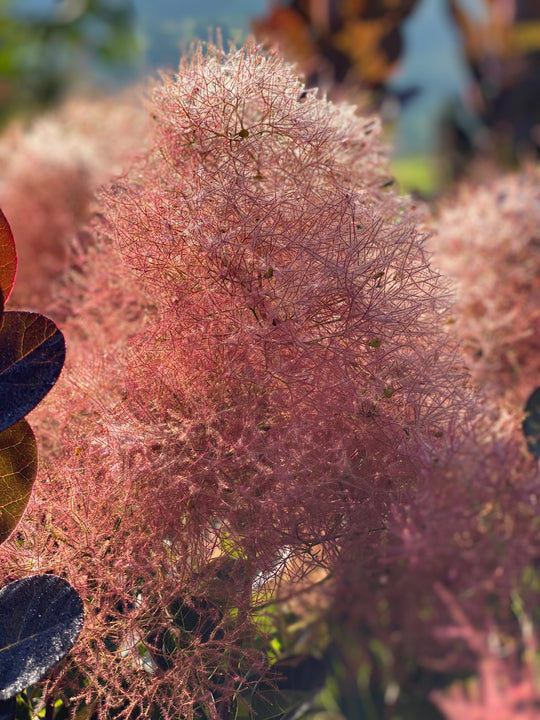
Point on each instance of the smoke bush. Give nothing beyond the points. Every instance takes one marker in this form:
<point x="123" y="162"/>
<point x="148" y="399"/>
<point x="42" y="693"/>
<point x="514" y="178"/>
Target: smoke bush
<point x="260" y="394"/>
<point x="488" y="241"/>
<point x="49" y="172"/>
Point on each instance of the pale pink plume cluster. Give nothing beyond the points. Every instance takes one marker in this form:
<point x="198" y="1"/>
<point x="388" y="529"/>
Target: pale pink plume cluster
<point x="261" y="394"/>
<point x="488" y="242"/>
<point x="50" y="168"/>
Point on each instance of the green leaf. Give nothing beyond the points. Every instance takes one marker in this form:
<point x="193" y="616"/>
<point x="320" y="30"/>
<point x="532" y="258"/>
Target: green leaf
<point x="40" y="619"/>
<point x="8" y="257"/>
<point x="531" y="424"/>
<point x="32" y="353"/>
<point x="18" y="468"/>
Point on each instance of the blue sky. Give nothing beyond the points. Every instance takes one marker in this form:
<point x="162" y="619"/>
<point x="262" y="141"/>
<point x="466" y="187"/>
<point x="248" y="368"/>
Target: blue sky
<point x="433" y="60"/>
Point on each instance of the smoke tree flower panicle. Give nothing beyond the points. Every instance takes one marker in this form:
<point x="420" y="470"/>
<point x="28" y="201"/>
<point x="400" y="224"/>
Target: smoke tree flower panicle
<point x="308" y="328"/>
<point x="49" y="172"/>
<point x="507" y="683"/>
<point x="260" y="391"/>
<point x="487" y="241"/>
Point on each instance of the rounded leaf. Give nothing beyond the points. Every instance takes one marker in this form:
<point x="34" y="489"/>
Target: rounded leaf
<point x="40" y="619"/>
<point x="32" y="353"/>
<point x="8" y="257"/>
<point x="531" y="424"/>
<point x="18" y="468"/>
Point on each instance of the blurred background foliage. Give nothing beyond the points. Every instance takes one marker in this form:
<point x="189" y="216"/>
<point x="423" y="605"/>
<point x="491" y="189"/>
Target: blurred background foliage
<point x="453" y="79"/>
<point x="48" y="48"/>
<point x="460" y="76"/>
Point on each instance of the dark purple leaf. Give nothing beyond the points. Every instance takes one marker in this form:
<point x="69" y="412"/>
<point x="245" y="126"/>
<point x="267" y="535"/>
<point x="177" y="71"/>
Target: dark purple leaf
<point x="40" y="619"/>
<point x="531" y="424"/>
<point x="32" y="352"/>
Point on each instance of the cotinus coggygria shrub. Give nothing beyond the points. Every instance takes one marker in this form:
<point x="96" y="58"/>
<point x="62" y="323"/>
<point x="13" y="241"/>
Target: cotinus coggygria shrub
<point x="264" y="427"/>
<point x="487" y="242"/>
<point x="49" y="171"/>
